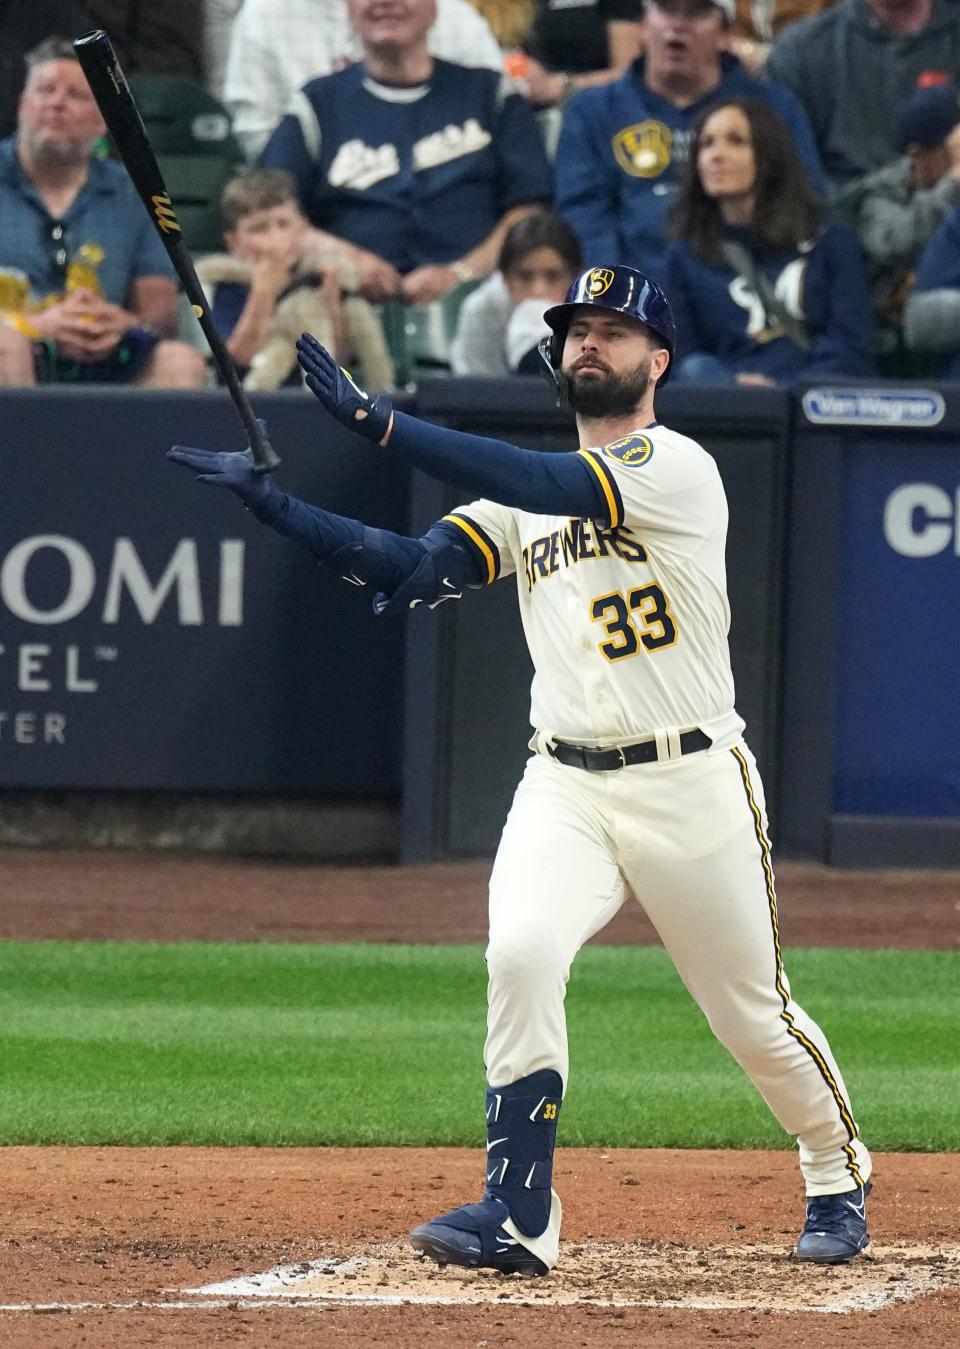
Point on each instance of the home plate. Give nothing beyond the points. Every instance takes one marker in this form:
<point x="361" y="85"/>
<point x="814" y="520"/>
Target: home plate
<point x="640" y="1274"/>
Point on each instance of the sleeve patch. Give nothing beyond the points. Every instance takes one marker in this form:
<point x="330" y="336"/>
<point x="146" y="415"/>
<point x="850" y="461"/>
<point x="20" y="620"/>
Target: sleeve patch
<point x="631" y="451"/>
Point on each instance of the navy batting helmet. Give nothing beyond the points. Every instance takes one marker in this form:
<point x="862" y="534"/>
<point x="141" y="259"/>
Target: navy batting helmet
<point x="622" y="290"/>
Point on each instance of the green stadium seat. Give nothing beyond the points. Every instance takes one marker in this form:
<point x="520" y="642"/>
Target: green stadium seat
<point x="184" y="118"/>
<point x="194" y="183"/>
<point x="419" y="336"/>
<point x="191" y="135"/>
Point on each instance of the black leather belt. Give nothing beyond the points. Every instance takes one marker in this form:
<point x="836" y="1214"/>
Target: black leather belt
<point x="610" y="760"/>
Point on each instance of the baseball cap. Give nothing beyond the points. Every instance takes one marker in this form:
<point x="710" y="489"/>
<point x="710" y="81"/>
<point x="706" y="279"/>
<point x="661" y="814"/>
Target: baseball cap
<point x="728" y="7"/>
<point x="928" y="117"/>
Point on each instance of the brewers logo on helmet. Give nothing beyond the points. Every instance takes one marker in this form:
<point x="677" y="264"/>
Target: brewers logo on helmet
<point x="621" y="290"/>
<point x="601" y="279"/>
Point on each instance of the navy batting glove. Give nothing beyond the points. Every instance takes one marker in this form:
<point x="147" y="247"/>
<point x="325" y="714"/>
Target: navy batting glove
<point x="343" y="399"/>
<point x="234" y="471"/>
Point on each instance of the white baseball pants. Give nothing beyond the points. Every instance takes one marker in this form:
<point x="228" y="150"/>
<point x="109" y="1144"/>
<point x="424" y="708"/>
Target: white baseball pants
<point x="689" y="837"/>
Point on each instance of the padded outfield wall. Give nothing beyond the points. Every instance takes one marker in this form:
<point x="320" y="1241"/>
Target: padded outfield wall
<point x="169" y="663"/>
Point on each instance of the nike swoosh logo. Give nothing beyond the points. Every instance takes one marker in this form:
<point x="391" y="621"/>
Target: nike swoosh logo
<point x="454" y="595"/>
<point x="526" y="1183"/>
<point x="495" y="1142"/>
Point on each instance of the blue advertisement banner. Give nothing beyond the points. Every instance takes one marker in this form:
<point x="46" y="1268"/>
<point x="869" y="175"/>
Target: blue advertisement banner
<point x="898" y="727"/>
<point x="153" y="635"/>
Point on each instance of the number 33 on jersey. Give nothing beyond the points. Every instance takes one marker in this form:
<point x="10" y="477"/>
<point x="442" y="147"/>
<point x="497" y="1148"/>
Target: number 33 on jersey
<point x="626" y="617"/>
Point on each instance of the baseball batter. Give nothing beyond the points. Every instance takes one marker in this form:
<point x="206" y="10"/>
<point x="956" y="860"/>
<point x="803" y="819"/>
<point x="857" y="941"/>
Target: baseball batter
<point x="640" y="778"/>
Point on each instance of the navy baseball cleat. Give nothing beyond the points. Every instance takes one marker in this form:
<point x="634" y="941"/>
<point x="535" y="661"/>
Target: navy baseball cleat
<point x="473" y="1236"/>
<point x="836" y="1227"/>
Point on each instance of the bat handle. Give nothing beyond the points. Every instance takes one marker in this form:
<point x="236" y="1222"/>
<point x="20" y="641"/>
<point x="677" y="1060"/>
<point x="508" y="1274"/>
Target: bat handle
<point x="265" y="458"/>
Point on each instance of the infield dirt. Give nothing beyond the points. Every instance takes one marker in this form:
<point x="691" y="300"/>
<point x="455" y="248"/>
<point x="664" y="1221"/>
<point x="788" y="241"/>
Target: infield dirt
<point x="98" y="1233"/>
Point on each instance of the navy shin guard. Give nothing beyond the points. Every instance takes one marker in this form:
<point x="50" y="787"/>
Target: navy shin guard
<point x="521" y="1134"/>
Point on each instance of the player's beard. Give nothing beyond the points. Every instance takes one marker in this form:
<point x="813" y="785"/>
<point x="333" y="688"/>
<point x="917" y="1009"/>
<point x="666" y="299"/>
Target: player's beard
<point x="609" y="396"/>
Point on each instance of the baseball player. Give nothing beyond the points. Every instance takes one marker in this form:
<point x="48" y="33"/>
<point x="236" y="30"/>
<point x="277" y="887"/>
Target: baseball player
<point x="639" y="775"/>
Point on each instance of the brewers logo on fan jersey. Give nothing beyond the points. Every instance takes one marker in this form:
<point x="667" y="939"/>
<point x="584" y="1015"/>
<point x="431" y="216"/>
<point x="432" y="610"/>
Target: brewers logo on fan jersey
<point x="644" y="150"/>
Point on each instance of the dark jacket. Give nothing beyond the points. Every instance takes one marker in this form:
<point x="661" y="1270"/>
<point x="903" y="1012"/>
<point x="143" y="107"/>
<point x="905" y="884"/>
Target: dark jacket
<point x="823" y="283"/>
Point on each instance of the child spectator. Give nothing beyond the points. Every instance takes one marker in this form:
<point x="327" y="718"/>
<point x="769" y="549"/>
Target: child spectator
<point x="274" y="283"/>
<point x="764" y="291"/>
<point x="501" y="322"/>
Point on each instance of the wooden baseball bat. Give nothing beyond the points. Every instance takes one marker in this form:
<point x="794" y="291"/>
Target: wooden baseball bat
<point x="99" y="63"/>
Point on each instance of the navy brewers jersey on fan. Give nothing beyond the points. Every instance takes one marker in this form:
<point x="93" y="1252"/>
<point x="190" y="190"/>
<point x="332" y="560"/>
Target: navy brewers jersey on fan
<point x="822" y="283"/>
<point x="416" y="175"/>
<point x="621" y="151"/>
<point x="626" y="621"/>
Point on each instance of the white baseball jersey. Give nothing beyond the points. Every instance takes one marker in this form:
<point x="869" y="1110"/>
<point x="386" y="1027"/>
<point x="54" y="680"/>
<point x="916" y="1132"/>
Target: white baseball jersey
<point x="626" y="623"/>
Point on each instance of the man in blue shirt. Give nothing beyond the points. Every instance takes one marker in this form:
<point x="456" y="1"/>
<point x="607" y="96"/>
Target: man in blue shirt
<point x="87" y="291"/>
<point x="416" y="167"/>
<point x="622" y="145"/>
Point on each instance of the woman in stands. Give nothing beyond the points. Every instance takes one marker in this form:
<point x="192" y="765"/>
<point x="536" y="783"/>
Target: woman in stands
<point x="765" y="288"/>
<point x="501" y="322"/>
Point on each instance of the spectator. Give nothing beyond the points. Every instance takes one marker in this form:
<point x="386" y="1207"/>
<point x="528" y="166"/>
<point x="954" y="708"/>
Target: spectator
<point x="87" y="285"/>
<point x="575" y="46"/>
<point x="278" y="46"/>
<point x="416" y="166"/>
<point x="763" y="290"/>
<point x="623" y="145"/>
<point x="854" y="66"/>
<point x="931" y="315"/>
<point x="25" y="24"/>
<point x="896" y="209"/>
<point x="271" y="286"/>
<point x="501" y="322"/>
<point x="758" y="22"/>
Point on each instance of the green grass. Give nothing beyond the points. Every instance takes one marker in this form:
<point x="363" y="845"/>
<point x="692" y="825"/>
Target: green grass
<point x="291" y="1044"/>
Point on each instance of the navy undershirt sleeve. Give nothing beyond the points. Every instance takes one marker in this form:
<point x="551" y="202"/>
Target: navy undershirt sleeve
<point x="375" y="557"/>
<point x="528" y="480"/>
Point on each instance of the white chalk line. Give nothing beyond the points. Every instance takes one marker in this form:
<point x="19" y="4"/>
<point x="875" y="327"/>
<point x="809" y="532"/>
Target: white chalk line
<point x="282" y="1286"/>
<point x="315" y="1303"/>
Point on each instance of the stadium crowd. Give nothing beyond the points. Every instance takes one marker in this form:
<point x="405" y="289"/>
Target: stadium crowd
<point x="789" y="170"/>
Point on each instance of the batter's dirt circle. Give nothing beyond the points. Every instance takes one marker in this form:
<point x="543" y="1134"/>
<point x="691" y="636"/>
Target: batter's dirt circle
<point x="110" y="1246"/>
